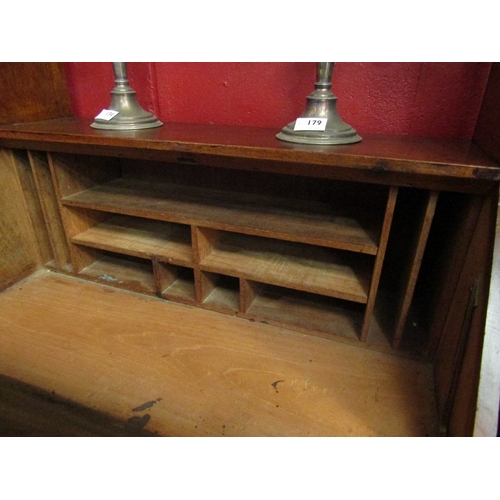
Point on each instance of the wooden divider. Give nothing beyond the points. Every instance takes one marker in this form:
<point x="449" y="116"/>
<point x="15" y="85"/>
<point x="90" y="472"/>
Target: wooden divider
<point x="417" y="252"/>
<point x="50" y="207"/>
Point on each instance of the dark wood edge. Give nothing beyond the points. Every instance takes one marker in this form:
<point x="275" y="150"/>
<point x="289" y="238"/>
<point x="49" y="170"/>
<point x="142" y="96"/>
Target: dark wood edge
<point x="377" y="155"/>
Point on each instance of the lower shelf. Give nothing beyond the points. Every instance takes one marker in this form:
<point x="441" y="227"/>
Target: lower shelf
<point x="343" y="275"/>
<point x="122" y="271"/>
<point x="141" y="238"/>
<point x="303" y="311"/>
<point x="307" y="312"/>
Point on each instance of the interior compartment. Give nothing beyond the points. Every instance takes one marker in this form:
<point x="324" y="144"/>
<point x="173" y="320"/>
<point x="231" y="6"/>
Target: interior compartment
<point x="175" y="282"/>
<point x="305" y="311"/>
<point x="119" y="270"/>
<point x="219" y="292"/>
<point x="294" y="265"/>
<point x="330" y="216"/>
<point x="140" y="237"/>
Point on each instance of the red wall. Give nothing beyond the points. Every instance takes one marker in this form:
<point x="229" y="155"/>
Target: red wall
<point x="421" y="99"/>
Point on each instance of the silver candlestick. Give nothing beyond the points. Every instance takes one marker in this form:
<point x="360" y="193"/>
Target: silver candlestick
<point x="124" y="112"/>
<point x="320" y="122"/>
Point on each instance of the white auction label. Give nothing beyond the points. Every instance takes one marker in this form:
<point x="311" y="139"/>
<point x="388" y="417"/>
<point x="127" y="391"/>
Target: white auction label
<point x="310" y="123"/>
<point x="106" y="114"/>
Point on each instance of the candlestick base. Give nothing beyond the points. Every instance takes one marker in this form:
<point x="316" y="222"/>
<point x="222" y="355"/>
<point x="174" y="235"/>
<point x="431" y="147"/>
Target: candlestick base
<point x="130" y="115"/>
<point x="322" y="105"/>
<point x="337" y="132"/>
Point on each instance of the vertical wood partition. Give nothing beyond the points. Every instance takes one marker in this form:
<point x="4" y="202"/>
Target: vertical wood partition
<point x="50" y="207"/>
<point x="33" y="203"/>
<point x="379" y="260"/>
<point x="73" y="174"/>
<point x="424" y="226"/>
<point x="19" y="252"/>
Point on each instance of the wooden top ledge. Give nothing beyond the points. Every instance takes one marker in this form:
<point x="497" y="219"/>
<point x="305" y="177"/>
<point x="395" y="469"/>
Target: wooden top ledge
<point x="441" y="158"/>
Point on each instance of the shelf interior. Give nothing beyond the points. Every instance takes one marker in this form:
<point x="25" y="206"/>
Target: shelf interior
<point x="222" y="292"/>
<point x="122" y="271"/>
<point x="283" y="218"/>
<point x="294" y="265"/>
<point x="140" y="237"/>
<point x="229" y="240"/>
<point x="307" y="311"/>
<point x="175" y="282"/>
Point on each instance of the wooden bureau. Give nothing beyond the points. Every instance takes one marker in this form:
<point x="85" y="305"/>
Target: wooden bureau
<point x="384" y="246"/>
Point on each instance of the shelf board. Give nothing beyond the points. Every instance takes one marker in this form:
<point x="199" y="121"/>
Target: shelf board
<point x="140" y="238"/>
<point x="129" y="273"/>
<point x="397" y="158"/>
<point x="293" y="220"/>
<point x="307" y="312"/>
<point x="309" y="268"/>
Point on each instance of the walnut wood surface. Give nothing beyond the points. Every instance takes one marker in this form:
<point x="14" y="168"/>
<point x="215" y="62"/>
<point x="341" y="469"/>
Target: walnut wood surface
<point x="379" y="155"/>
<point x="309" y="222"/>
<point x="19" y="253"/>
<point x="33" y="91"/>
<point x="186" y="371"/>
<point x="436" y="165"/>
<point x="302" y="267"/>
<point x="141" y="238"/>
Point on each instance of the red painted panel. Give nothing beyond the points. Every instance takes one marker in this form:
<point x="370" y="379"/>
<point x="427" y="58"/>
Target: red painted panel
<point x="90" y="85"/>
<point x="255" y="94"/>
<point x="448" y="99"/>
<point x="422" y="99"/>
<point x="376" y="98"/>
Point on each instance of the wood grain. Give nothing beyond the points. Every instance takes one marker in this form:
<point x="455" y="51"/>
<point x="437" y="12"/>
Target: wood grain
<point x="303" y="267"/>
<point x="380" y="156"/>
<point x="197" y="373"/>
<point x="307" y="312"/>
<point x="379" y="261"/>
<point x="140" y="238"/>
<point x="414" y="263"/>
<point x="19" y="254"/>
<point x="121" y="271"/>
<point x="50" y="207"/>
<point x="31" y="91"/>
<point x="27" y="411"/>
<point x="175" y="282"/>
<point x="290" y="219"/>
<point x="34" y="204"/>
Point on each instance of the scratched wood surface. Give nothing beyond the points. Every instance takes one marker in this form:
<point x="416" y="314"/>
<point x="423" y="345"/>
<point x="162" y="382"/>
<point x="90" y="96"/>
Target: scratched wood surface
<point x="183" y="371"/>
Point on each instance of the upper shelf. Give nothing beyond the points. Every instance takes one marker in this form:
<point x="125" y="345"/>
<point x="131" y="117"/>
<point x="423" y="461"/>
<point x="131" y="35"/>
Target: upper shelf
<point x="375" y="157"/>
<point x="294" y="220"/>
